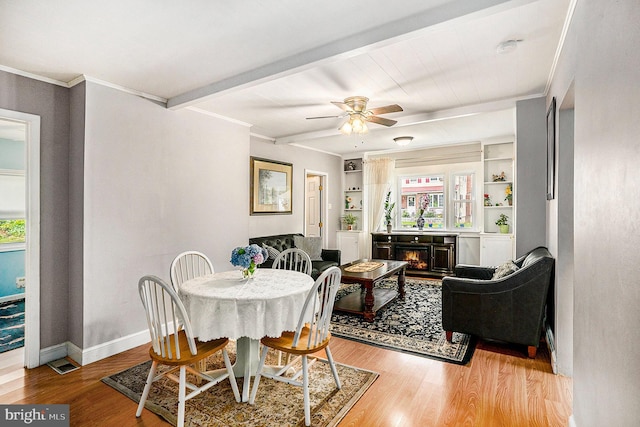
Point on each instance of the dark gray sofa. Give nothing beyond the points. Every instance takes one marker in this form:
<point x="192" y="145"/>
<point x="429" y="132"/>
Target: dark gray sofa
<point x="330" y="257"/>
<point x="510" y="309"/>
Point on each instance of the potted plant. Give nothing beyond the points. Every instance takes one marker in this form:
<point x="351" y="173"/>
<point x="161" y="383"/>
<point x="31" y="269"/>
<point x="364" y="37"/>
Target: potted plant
<point x="509" y="194"/>
<point x="350" y="220"/>
<point x="502" y="223"/>
<point x="388" y="210"/>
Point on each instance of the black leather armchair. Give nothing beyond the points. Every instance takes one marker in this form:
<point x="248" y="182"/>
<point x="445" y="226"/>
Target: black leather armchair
<point x="510" y="308"/>
<point x="330" y="257"/>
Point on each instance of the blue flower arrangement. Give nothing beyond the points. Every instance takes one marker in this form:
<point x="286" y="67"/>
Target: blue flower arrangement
<point x="248" y="257"/>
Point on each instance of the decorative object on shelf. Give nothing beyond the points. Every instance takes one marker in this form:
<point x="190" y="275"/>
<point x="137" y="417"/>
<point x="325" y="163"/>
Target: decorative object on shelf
<point x="502" y="223"/>
<point x="509" y="193"/>
<point x="388" y="210"/>
<point x="487" y="200"/>
<point x="351" y="166"/>
<point x="347" y="202"/>
<point x="350" y="221"/>
<point x="499" y="178"/>
<point x="248" y="258"/>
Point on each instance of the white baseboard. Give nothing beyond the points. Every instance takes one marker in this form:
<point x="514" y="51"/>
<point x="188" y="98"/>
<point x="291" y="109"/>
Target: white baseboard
<point x="95" y="353"/>
<point x="52" y="353"/>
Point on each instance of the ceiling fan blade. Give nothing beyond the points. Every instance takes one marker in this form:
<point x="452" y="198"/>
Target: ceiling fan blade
<point x="395" y="108"/>
<point x="342" y="106"/>
<point x="381" y="120"/>
<point x="324" y="117"/>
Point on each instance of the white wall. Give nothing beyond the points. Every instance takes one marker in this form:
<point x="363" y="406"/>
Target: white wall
<point x="606" y="339"/>
<point x="156" y="182"/>
<point x="302" y="159"/>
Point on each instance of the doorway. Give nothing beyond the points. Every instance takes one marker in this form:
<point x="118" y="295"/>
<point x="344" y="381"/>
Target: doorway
<point x="30" y="126"/>
<point x="315" y="204"/>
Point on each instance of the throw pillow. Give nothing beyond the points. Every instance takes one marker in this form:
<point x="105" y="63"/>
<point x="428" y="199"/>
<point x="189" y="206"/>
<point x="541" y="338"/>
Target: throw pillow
<point x="504" y="270"/>
<point x="311" y="245"/>
<point x="273" y="252"/>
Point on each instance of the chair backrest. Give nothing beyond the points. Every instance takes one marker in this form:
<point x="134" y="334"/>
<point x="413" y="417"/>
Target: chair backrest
<point x="293" y="259"/>
<point x="188" y="265"/>
<point x="318" y="305"/>
<point x="166" y="315"/>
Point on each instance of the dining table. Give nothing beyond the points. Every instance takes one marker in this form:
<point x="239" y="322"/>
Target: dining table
<point x="226" y="305"/>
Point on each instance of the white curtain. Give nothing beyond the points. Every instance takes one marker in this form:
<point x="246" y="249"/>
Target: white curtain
<point x="378" y="179"/>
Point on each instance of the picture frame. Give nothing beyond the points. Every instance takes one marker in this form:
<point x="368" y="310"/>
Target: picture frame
<point x="551" y="149"/>
<point x="271" y="187"/>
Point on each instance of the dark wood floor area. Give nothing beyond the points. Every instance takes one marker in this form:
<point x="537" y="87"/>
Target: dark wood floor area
<point x="499" y="387"/>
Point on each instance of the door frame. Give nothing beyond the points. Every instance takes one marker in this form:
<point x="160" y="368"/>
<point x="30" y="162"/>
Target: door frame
<point x="32" y="258"/>
<point x="324" y="211"/>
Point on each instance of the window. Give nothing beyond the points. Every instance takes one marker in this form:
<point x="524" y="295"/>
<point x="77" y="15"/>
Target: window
<point x="463" y="200"/>
<point x="422" y="193"/>
<point x="12" y="231"/>
<point x="442" y="207"/>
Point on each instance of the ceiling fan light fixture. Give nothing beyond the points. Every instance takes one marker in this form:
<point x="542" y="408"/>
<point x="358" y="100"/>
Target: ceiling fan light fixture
<point x="346" y="128"/>
<point x="403" y="140"/>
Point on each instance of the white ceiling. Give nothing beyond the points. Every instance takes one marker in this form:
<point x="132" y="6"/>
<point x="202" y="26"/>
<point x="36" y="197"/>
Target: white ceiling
<point x="271" y="64"/>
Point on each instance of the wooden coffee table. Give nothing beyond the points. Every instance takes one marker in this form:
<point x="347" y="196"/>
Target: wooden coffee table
<point x="369" y="299"/>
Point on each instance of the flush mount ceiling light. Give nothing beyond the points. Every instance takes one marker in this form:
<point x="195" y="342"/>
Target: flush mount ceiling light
<point x="508" y="46"/>
<point x="403" y="140"/>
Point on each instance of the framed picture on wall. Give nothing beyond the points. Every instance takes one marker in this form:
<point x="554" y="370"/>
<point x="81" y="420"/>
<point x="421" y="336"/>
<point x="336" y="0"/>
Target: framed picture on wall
<point x="551" y="149"/>
<point x="271" y="183"/>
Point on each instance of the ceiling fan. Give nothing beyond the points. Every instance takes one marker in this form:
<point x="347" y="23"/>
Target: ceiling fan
<point x="355" y="108"/>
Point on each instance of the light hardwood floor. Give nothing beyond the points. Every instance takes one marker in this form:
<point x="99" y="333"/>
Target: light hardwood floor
<point x="499" y="387"/>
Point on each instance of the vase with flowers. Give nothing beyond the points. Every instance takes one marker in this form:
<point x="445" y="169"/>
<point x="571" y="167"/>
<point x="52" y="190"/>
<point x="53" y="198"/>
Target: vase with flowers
<point x="487" y="199"/>
<point x="388" y="211"/>
<point x="248" y="258"/>
<point x="423" y="204"/>
<point x="509" y="194"/>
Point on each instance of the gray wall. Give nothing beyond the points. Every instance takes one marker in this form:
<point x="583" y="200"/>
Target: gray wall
<point x="51" y="103"/>
<point x="156" y="182"/>
<point x="302" y="159"/>
<point x="531" y="181"/>
<point x="607" y="148"/>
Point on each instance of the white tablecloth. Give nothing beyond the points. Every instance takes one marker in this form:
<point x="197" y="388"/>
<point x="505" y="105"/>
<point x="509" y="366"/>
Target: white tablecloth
<point x="225" y="305"/>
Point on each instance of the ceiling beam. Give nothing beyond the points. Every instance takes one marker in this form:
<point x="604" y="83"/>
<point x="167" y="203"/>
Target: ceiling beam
<point x="347" y="47"/>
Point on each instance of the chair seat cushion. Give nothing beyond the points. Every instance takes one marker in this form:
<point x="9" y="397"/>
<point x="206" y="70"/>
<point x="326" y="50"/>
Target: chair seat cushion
<point x="204" y="349"/>
<point x="285" y="342"/>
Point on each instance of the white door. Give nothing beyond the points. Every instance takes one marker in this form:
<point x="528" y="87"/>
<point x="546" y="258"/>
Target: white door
<point x="313" y="206"/>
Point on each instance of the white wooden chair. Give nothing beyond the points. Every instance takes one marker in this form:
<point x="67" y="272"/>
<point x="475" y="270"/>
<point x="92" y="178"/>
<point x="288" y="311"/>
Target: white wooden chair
<point x="188" y="265"/>
<point x="177" y="347"/>
<point x="310" y="336"/>
<point x="293" y="259"/>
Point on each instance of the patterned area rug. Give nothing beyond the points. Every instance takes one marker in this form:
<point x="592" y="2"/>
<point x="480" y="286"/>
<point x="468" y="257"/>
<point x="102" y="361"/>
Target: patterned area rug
<point x="11" y="325"/>
<point x="277" y="404"/>
<point x="412" y="325"/>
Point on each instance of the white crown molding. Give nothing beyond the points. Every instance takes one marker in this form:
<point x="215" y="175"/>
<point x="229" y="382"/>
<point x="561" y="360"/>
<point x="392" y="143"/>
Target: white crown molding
<point x="84" y="77"/>
<point x="266" y="138"/>
<point x="561" y="42"/>
<point x="33" y="76"/>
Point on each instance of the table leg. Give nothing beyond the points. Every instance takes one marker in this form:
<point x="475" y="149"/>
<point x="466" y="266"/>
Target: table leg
<point x="401" y="280"/>
<point x="247" y="359"/>
<point x="368" y="313"/>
